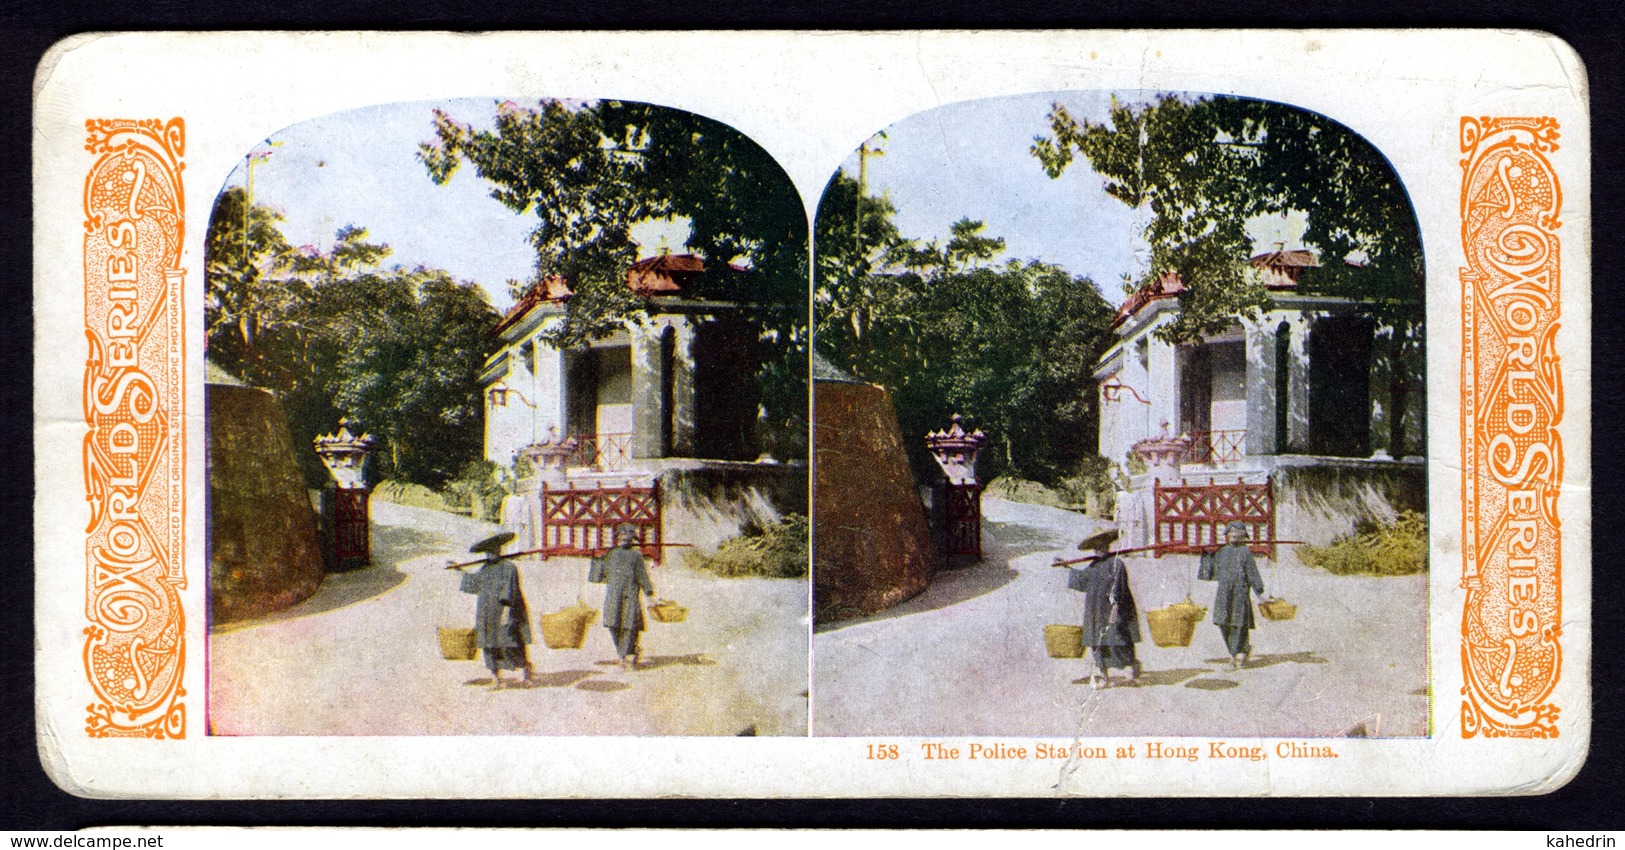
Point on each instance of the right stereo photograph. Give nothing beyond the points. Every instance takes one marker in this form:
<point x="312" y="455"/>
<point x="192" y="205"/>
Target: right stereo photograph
<point x="1120" y="410"/>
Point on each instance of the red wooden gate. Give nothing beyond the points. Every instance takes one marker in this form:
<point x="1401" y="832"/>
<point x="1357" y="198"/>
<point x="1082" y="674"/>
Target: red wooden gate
<point x="962" y="507"/>
<point x="352" y="527"/>
<point x="582" y="520"/>
<point x="1190" y="517"/>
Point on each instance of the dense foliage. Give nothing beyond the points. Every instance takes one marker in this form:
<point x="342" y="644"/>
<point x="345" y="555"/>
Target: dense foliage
<point x="1204" y="166"/>
<point x="334" y="334"/>
<point x="948" y="330"/>
<point x="590" y="172"/>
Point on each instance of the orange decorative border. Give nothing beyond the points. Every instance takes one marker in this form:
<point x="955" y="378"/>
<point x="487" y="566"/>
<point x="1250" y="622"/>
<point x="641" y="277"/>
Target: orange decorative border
<point x="1511" y="404"/>
<point x="135" y="647"/>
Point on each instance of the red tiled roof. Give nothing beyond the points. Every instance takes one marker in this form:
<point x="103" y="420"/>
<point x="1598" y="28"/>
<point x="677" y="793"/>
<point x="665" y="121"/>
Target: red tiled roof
<point x="1283" y="268"/>
<point x="665" y="274"/>
<point x="1166" y="285"/>
<point x="553" y="288"/>
<point x="1297" y="257"/>
<point x="662" y="274"/>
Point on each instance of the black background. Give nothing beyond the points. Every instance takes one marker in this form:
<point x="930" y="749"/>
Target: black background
<point x="29" y="801"/>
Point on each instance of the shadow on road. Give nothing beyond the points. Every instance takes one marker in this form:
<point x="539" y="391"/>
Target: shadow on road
<point x="391" y="545"/>
<point x="1261" y="661"/>
<point x="561" y="678"/>
<point x="337" y="590"/>
<point x="950" y="587"/>
<point x="1213" y="684"/>
<point x="655" y="662"/>
<point x="1158" y="678"/>
<point x="602" y="686"/>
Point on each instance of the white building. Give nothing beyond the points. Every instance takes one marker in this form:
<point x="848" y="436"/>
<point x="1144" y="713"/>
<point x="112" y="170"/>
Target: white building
<point x="1313" y="387"/>
<point x="677" y="384"/>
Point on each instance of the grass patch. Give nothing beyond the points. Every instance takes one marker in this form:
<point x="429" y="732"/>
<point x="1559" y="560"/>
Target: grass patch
<point x="778" y="551"/>
<point x="1399" y="548"/>
<point x="408" y="494"/>
<point x="1032" y="493"/>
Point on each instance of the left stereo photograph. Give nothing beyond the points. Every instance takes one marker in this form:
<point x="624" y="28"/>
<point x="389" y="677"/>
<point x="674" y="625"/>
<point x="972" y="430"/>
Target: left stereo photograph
<point x="506" y="407"/>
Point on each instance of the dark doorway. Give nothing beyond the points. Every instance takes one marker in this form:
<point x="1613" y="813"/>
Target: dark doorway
<point x="668" y="392"/>
<point x="581" y="412"/>
<point x="1340" y="387"/>
<point x="1195" y="389"/>
<point x="725" y="357"/>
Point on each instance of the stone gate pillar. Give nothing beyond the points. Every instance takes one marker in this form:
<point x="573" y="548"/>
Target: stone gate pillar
<point x="1162" y="456"/>
<point x="522" y="512"/>
<point x="347" y="501"/>
<point x="960" y="508"/>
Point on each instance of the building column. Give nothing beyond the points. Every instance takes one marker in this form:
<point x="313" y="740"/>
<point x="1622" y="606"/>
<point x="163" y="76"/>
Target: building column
<point x="549" y="390"/>
<point x="648" y="377"/>
<point x="1380" y="389"/>
<point x="1163" y="383"/>
<point x="1261" y="366"/>
<point x="1412" y="366"/>
<point x="1297" y="407"/>
<point x="684" y="415"/>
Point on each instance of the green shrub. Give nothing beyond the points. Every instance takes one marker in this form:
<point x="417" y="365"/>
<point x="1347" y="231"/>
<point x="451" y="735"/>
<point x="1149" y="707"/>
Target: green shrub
<point x="1399" y="548"/>
<point x="477" y="490"/>
<point x="778" y="551"/>
<point x="408" y="494"/>
<point x="1032" y="493"/>
<point x="1090" y="485"/>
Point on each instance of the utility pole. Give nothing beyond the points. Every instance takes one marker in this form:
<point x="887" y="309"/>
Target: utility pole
<point x="864" y="152"/>
<point x="254" y="158"/>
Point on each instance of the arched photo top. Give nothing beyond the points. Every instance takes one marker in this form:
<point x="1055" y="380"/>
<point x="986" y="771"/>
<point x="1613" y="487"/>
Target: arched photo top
<point x="1173" y="322"/>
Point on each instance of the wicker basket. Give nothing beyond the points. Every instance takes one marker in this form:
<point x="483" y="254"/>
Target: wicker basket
<point x="1277" y="609"/>
<point x="1064" y="641"/>
<point x="1172" y="626"/>
<point x="566" y="628"/>
<point x="667" y="611"/>
<point x="457" y="644"/>
<point x="1189" y="609"/>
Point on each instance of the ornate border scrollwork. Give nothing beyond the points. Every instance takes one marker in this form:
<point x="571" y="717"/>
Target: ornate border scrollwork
<point x="134" y="458"/>
<point x="1511" y="404"/>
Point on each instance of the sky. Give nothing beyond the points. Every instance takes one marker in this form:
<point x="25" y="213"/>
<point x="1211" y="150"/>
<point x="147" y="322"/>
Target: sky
<point x="963" y="159"/>
<point x="360" y="167"/>
<point x="972" y="159"/>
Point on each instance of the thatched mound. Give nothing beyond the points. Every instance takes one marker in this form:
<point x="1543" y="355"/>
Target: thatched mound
<point x="871" y="545"/>
<point x="264" y="554"/>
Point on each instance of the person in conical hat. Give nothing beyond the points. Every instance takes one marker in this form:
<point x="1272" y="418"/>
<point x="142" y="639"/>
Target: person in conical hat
<point x="1103" y="537"/>
<point x="501" y="617"/>
<point x="1236" y="572"/>
<point x="623" y="573"/>
<point x="1111" y="620"/>
<point x="493" y="545"/>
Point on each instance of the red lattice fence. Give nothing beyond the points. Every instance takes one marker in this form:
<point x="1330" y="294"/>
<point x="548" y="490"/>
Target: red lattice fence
<point x="582" y="520"/>
<point x="1189" y="518"/>
<point x="1217" y="446"/>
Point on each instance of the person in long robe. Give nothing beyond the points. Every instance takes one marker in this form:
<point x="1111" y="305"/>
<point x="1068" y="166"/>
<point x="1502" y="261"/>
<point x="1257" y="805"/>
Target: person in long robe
<point x="1111" y="620"/>
<point x="623" y="573"/>
<point x="501" y="617"/>
<point x="1233" y="567"/>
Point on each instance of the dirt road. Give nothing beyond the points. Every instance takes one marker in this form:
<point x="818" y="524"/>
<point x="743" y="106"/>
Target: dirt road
<point x="967" y="657"/>
<point x="361" y="657"/>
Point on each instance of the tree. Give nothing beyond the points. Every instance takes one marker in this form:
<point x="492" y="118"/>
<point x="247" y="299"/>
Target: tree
<point x="405" y="348"/>
<point x="589" y="172"/>
<point x="1204" y="166"/>
<point x="1009" y="345"/>
<point x="245" y="295"/>
<point x="333" y="334"/>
